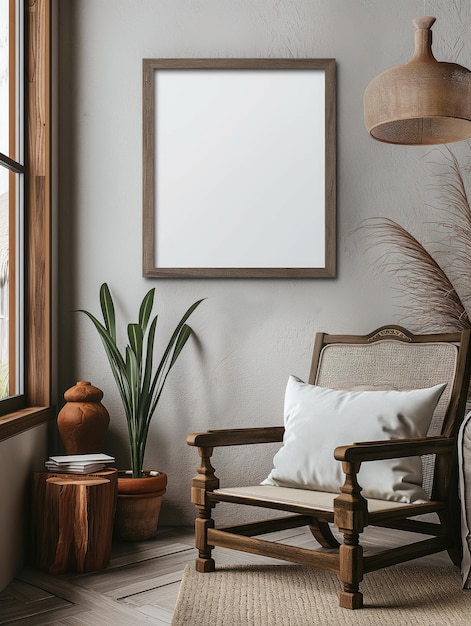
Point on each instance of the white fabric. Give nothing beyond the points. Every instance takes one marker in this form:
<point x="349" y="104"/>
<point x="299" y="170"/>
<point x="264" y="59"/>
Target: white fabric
<point x="464" y="462"/>
<point x="317" y="420"/>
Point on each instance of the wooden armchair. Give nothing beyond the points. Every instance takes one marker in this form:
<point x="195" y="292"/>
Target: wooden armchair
<point x="389" y="358"/>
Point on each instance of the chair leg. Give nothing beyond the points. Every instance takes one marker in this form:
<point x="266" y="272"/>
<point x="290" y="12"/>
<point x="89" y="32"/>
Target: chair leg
<point x="351" y="574"/>
<point x="451" y="524"/>
<point x="204" y="482"/>
<point x="204" y="562"/>
<point x="350" y="517"/>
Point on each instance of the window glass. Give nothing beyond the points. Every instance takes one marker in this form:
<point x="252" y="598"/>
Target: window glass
<point x="4" y="261"/>
<point x="11" y="197"/>
<point x="5" y="41"/>
<point x="4" y="195"/>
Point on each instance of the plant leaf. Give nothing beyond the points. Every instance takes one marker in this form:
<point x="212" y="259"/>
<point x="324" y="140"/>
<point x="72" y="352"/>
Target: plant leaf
<point x="115" y="359"/>
<point x="176" y="332"/>
<point x="136" y="339"/>
<point x="146" y="309"/>
<point x="107" y="309"/>
<point x="181" y="341"/>
<point x="163" y="362"/>
<point x="147" y="376"/>
<point x="132" y="373"/>
<point x="163" y="368"/>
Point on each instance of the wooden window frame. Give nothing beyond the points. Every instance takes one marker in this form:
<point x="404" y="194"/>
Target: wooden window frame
<point x="36" y="401"/>
<point x="13" y="115"/>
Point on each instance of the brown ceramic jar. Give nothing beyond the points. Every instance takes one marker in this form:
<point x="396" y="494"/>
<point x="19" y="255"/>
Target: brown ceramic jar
<point x="83" y="420"/>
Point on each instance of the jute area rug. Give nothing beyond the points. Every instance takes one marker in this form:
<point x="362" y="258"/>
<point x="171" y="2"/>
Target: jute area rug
<point x="292" y="595"/>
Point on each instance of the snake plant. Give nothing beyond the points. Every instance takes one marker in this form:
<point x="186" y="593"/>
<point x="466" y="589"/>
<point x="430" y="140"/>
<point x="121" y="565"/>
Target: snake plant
<point x="140" y="383"/>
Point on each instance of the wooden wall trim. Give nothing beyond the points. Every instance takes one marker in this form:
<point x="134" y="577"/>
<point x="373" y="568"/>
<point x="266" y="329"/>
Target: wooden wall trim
<point x="38" y="202"/>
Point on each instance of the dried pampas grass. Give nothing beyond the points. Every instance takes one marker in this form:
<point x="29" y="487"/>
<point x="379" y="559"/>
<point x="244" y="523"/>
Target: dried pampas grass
<point x="434" y="287"/>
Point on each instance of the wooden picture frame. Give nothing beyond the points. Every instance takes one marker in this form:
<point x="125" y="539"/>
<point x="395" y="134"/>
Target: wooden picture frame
<point x="239" y="168"/>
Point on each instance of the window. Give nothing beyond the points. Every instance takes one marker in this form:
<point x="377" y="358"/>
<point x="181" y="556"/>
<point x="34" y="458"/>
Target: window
<point x="25" y="214"/>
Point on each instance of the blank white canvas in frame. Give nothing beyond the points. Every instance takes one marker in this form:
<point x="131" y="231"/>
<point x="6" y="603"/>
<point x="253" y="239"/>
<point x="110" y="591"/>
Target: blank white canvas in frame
<point x="239" y="179"/>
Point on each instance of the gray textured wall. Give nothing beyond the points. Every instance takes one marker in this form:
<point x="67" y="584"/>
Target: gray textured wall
<point x="250" y="334"/>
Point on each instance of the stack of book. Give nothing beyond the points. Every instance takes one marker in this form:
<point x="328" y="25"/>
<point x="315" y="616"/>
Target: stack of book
<point x="79" y="463"/>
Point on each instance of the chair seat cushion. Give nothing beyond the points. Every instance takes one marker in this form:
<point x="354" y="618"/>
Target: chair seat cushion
<point x="317" y="420"/>
<point x="318" y="500"/>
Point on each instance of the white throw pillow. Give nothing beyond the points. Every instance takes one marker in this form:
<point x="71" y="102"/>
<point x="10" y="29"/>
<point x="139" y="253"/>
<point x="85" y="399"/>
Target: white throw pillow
<point x="317" y="420"/>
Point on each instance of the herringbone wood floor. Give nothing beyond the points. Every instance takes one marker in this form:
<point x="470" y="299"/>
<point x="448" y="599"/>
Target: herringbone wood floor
<point x="140" y="586"/>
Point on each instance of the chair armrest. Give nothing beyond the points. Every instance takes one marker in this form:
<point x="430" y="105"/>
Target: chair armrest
<point x="235" y="437"/>
<point x="391" y="449"/>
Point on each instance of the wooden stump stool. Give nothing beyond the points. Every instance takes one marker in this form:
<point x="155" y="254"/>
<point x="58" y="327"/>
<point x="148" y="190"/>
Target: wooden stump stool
<point x="74" y="522"/>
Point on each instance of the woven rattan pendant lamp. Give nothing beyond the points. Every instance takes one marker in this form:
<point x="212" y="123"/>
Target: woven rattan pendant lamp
<point x="420" y="103"/>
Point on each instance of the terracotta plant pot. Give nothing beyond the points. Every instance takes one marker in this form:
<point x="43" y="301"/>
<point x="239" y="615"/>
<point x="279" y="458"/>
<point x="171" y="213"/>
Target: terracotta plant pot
<point x="138" y="505"/>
